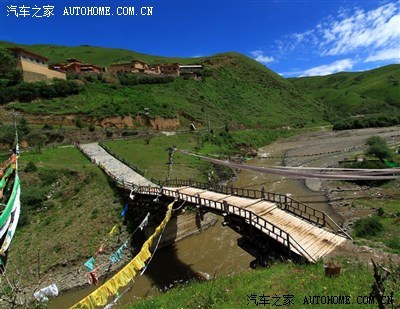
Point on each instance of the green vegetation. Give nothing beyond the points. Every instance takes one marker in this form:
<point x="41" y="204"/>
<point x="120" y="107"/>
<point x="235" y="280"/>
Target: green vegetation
<point x="242" y="290"/>
<point x="100" y="56"/>
<point x="378" y="148"/>
<point x="253" y="95"/>
<point x="369" y="121"/>
<point x="152" y="158"/>
<point x="383" y="229"/>
<point x="61" y="191"/>
<point x="372" y="96"/>
<point x="9" y="75"/>
<point x="370" y="226"/>
<point x="27" y="92"/>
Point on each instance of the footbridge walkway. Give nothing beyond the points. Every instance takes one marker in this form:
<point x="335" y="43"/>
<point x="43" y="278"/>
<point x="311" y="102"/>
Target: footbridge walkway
<point x="304" y="230"/>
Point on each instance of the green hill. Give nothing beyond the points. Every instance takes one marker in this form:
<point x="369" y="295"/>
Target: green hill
<point x="100" y="56"/>
<point x="237" y="90"/>
<point x="359" y="93"/>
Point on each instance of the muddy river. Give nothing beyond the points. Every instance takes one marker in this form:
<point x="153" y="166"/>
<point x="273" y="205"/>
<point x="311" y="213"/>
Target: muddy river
<point x="214" y="252"/>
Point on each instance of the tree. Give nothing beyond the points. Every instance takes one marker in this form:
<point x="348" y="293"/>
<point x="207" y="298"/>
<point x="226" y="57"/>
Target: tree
<point x="379" y="148"/>
<point x="9" y="74"/>
<point x="79" y="123"/>
<point x="37" y="140"/>
<point x="22" y="127"/>
<point x="7" y="135"/>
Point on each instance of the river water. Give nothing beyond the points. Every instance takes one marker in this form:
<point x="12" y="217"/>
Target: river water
<point x="213" y="252"/>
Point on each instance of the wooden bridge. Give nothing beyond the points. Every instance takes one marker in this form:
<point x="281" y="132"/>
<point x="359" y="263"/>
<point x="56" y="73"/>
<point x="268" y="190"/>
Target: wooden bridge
<point x="304" y="230"/>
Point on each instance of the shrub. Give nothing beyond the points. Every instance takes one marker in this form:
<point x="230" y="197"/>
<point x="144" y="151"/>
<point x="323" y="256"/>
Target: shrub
<point x="48" y="176"/>
<point x="366" y="227"/>
<point x="79" y="123"/>
<point x="379" y="148"/>
<point x="92" y="128"/>
<point x="129" y="133"/>
<point x="109" y="133"/>
<point x="47" y="127"/>
<point x="34" y="196"/>
<point x="30" y="167"/>
<point x="394" y="243"/>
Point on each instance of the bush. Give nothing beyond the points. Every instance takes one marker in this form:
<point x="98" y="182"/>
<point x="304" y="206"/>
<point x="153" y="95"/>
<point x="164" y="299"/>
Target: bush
<point x="47" y="127"/>
<point x="109" y="133"/>
<point x="48" y="177"/>
<point x="92" y="128"/>
<point x="366" y="227"/>
<point x="79" y="123"/>
<point x="30" y="167"/>
<point x="34" y="197"/>
<point x="129" y="133"/>
<point x="394" y="243"/>
<point x="371" y="121"/>
<point x="379" y="148"/>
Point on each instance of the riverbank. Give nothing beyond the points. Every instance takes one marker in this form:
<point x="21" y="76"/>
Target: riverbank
<point x="349" y="201"/>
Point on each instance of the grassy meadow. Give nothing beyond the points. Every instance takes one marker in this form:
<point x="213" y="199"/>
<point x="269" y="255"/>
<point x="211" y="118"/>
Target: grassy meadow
<point x="68" y="208"/>
<point x="277" y="283"/>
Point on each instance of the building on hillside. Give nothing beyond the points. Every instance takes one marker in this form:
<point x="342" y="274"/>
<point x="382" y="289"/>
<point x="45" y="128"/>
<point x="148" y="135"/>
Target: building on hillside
<point x="170" y="69"/>
<point x="34" y="67"/>
<point x="136" y="66"/>
<point x="75" y="66"/>
<point x="191" y="68"/>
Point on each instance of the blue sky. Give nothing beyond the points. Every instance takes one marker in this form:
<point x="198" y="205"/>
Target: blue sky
<point x="293" y="38"/>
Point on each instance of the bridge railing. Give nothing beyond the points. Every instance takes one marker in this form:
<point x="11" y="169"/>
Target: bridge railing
<point x="284" y="202"/>
<point x="261" y="224"/>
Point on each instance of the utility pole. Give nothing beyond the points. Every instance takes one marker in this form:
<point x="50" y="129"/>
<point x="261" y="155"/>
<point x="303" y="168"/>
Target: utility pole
<point x="170" y="161"/>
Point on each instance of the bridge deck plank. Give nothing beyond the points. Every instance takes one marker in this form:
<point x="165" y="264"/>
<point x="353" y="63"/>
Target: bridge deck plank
<point x="315" y="241"/>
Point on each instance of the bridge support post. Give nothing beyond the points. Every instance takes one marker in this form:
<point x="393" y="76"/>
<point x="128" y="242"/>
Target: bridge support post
<point x="323" y="219"/>
<point x="288" y="245"/>
<point x="226" y="209"/>
<point x="263" y="193"/>
<point x="199" y="206"/>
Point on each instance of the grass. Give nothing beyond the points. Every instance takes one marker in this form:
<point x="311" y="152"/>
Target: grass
<point x="388" y="239"/>
<point x="240" y="92"/>
<point x="61" y="222"/>
<point x="153" y="158"/>
<point x="280" y="280"/>
<point x="357" y="93"/>
<point x="100" y="56"/>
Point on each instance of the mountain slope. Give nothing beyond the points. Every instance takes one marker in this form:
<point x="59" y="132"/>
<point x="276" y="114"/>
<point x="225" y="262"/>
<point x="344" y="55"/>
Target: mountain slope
<point x="237" y="91"/>
<point x="100" y="56"/>
<point x="357" y="93"/>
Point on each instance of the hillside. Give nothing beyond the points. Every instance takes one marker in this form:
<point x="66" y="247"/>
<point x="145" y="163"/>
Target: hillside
<point x="100" y="56"/>
<point x="237" y="90"/>
<point x="356" y="93"/>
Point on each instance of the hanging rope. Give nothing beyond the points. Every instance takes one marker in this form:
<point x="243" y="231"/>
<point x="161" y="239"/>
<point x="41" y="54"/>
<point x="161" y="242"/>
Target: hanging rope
<point x="303" y="173"/>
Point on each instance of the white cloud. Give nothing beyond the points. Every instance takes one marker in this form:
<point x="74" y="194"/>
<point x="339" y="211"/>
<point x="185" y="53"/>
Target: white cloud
<point x="326" y="69"/>
<point x="372" y="29"/>
<point x="259" y="56"/>
<point x="391" y="54"/>
<point x="351" y="33"/>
